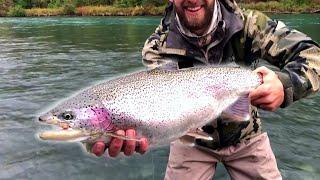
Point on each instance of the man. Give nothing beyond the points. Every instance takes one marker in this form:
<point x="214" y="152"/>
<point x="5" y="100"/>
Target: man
<point x="215" y="32"/>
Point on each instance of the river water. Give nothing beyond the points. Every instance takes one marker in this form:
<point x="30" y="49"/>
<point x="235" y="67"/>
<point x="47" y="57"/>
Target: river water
<point x="43" y="60"/>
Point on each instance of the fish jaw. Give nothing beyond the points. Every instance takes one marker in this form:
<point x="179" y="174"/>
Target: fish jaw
<point x="64" y="135"/>
<point x="62" y="130"/>
<point x="75" y="135"/>
<point x="92" y="118"/>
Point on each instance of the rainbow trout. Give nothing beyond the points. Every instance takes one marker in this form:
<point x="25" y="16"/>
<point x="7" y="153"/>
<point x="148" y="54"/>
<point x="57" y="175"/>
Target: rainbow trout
<point x="160" y="105"/>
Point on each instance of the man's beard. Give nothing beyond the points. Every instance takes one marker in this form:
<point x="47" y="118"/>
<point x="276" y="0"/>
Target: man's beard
<point x="194" y="24"/>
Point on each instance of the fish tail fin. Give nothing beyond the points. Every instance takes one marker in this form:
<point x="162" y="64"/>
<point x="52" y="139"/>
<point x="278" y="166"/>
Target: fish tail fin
<point x="239" y="110"/>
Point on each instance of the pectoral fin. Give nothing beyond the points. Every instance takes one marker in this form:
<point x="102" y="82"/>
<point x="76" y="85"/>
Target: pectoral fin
<point x="239" y="110"/>
<point x="113" y="134"/>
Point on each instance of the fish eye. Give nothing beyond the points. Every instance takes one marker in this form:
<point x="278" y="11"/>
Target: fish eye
<point x="67" y="116"/>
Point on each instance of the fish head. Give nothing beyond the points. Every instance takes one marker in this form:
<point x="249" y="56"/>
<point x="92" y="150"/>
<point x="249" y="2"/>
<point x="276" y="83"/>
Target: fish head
<point x="87" y="118"/>
<point x="84" y="115"/>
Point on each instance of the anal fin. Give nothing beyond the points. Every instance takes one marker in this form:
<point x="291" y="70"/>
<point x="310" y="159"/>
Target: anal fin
<point x="191" y="136"/>
<point x="198" y="134"/>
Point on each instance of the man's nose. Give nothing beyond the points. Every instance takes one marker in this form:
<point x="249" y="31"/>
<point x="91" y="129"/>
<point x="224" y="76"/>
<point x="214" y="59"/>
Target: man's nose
<point x="194" y="1"/>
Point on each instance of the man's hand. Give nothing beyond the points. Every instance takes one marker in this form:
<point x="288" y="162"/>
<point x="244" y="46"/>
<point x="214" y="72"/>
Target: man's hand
<point x="269" y="95"/>
<point x="116" y="145"/>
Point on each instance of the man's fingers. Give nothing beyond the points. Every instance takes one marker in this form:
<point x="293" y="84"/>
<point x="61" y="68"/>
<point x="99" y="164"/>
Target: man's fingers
<point x="259" y="92"/>
<point x="268" y="107"/>
<point x="116" y="144"/>
<point x="270" y="94"/>
<point x="255" y="94"/>
<point x="130" y="145"/>
<point x="143" y="146"/>
<point x="98" y="148"/>
<point x="263" y="100"/>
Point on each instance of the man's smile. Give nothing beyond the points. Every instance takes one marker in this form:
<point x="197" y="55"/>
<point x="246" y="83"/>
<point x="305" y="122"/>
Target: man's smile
<point x="193" y="9"/>
<point x="194" y="13"/>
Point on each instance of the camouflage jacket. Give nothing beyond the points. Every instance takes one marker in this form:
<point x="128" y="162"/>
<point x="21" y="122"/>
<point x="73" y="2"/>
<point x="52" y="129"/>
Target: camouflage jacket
<point x="247" y="38"/>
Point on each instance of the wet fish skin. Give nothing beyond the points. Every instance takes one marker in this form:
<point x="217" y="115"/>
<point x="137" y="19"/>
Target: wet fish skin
<point x="161" y="105"/>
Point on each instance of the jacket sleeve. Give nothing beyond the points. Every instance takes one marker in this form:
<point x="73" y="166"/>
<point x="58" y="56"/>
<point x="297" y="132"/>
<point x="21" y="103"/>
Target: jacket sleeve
<point x="151" y="53"/>
<point x="294" y="53"/>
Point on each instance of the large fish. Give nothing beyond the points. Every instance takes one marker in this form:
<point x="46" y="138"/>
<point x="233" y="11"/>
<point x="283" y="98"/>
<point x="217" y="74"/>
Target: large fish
<point x="160" y="105"/>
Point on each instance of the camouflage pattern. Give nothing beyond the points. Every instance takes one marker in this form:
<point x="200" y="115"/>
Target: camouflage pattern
<point x="250" y="39"/>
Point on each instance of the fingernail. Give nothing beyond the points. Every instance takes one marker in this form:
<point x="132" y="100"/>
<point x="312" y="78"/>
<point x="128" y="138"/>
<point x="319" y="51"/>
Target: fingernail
<point x="100" y="146"/>
<point x="131" y="132"/>
<point x="120" y="132"/>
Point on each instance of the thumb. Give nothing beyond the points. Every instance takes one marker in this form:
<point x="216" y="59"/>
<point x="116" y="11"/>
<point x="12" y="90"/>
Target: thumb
<point x="262" y="70"/>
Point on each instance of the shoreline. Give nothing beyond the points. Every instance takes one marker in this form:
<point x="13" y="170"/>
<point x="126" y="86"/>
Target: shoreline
<point x="282" y="8"/>
<point x="266" y="7"/>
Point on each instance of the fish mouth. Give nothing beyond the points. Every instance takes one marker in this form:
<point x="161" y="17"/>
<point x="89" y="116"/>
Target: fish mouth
<point x="61" y="130"/>
<point x="62" y="135"/>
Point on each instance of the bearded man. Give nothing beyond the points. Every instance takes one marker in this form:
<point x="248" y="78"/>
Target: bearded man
<point x="215" y="32"/>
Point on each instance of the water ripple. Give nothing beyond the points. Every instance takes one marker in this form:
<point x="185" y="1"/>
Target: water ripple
<point x="46" y="59"/>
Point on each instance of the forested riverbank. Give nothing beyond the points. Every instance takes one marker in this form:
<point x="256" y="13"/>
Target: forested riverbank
<point x="134" y="7"/>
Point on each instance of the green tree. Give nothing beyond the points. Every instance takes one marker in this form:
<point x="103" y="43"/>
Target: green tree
<point x="5" y="5"/>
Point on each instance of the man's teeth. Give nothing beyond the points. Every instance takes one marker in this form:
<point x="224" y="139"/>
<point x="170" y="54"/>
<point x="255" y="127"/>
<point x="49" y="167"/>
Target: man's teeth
<point x="194" y="8"/>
